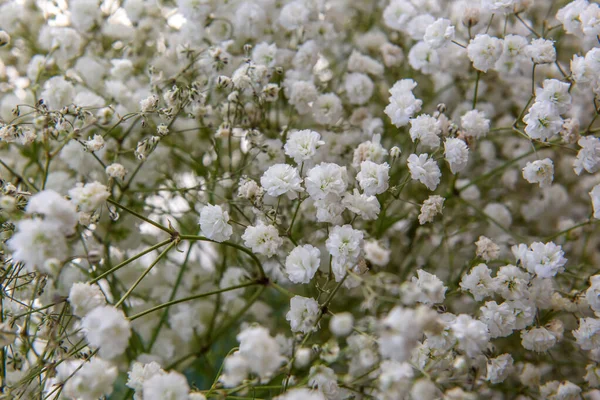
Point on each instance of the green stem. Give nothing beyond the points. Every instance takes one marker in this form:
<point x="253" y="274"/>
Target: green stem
<point x="189" y="298"/>
<point x="137" y="282"/>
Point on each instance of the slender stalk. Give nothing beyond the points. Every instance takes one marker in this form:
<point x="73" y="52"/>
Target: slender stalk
<point x="230" y="244"/>
<point x="140" y="216"/>
<point x="129" y="260"/>
<point x="189" y="298"/>
<point x="137" y="282"/>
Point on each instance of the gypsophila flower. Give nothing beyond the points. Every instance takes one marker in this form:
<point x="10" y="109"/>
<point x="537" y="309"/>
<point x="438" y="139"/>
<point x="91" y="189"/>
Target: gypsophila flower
<point x="214" y="223"/>
<point x="456" y="154"/>
<point x="403" y="104"/>
<point x="281" y="179"/>
<point x="541" y="51"/>
<point x="478" y="282"/>
<point x="116" y="170"/>
<point x="426" y="130"/>
<point x="303" y="314"/>
<point x="373" y="178"/>
<point x="108" y="329"/>
<point x="432" y="206"/>
<point x="475" y="123"/>
<point x="425" y="170"/>
<point x="90" y="196"/>
<point x="324" y="179"/>
<point x="539" y="171"/>
<point x="472" y="335"/>
<point x="262" y="239"/>
<point x="171" y="385"/>
<point x="84" y="297"/>
<point x="484" y="51"/>
<point x="302" y="263"/>
<point x="302" y="145"/>
<point x="93" y="380"/>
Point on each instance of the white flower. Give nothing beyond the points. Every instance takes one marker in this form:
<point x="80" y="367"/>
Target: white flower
<point x="588" y="333"/>
<point x="494" y="6"/>
<point x="84" y="297"/>
<point x="324" y="179"/>
<point x="302" y="145"/>
<point x="341" y="324"/>
<point x="330" y="209"/>
<point x="555" y="93"/>
<point x="376" y="254"/>
<point x="541" y="51"/>
<point x="264" y="54"/>
<point x="367" y="207"/>
<point x="93" y="380"/>
<point x="361" y="63"/>
<point x="303" y="314"/>
<point x="569" y="16"/>
<point x="475" y="124"/>
<point x="327" y="109"/>
<point x="545" y="260"/>
<point x="344" y="242"/>
<point x="171" y="385"/>
<point x="478" y="282"/>
<point x="499" y="368"/>
<point x="37" y="244"/>
<point x="439" y="33"/>
<point x="472" y="335"/>
<point x="95" y="144"/>
<point x="149" y="103"/>
<point x="537" y="339"/>
<point x="214" y="223"/>
<point x="235" y="370"/>
<point x="590" y="20"/>
<point x="511" y="282"/>
<point x="58" y="93"/>
<point x="456" y="154"/>
<point x="108" y="329"/>
<point x="89" y="197"/>
<point x="371" y="150"/>
<point x="281" y="179"/>
<point x="592" y="295"/>
<point x="403" y="104"/>
<point x="262" y="239"/>
<point x="484" y="51"/>
<point x="260" y="350"/>
<point x="140" y="373"/>
<point x="54" y="208"/>
<point x="302" y="95"/>
<point x="302" y="263"/>
<point x="424" y="169"/>
<point x="539" y="171"/>
<point x="423" y="58"/>
<point x="373" y="178"/>
<point x="500" y="319"/>
<point x="543" y="121"/>
<point x="588" y="157"/>
<point x="487" y="249"/>
<point x="116" y="170"/>
<point x="293" y="15"/>
<point x="359" y="88"/>
<point x="431" y="288"/>
<point x="432" y="206"/>
<point x="426" y="129"/>
<point x="398" y="13"/>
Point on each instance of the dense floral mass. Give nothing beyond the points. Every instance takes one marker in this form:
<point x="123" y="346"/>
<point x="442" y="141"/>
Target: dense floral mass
<point x="300" y="199"/>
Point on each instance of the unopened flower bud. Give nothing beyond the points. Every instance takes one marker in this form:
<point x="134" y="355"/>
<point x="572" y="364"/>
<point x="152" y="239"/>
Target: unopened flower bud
<point x="162" y="130"/>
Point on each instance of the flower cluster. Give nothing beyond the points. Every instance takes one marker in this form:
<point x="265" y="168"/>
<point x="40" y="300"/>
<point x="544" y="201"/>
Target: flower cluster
<point x="300" y="199"/>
